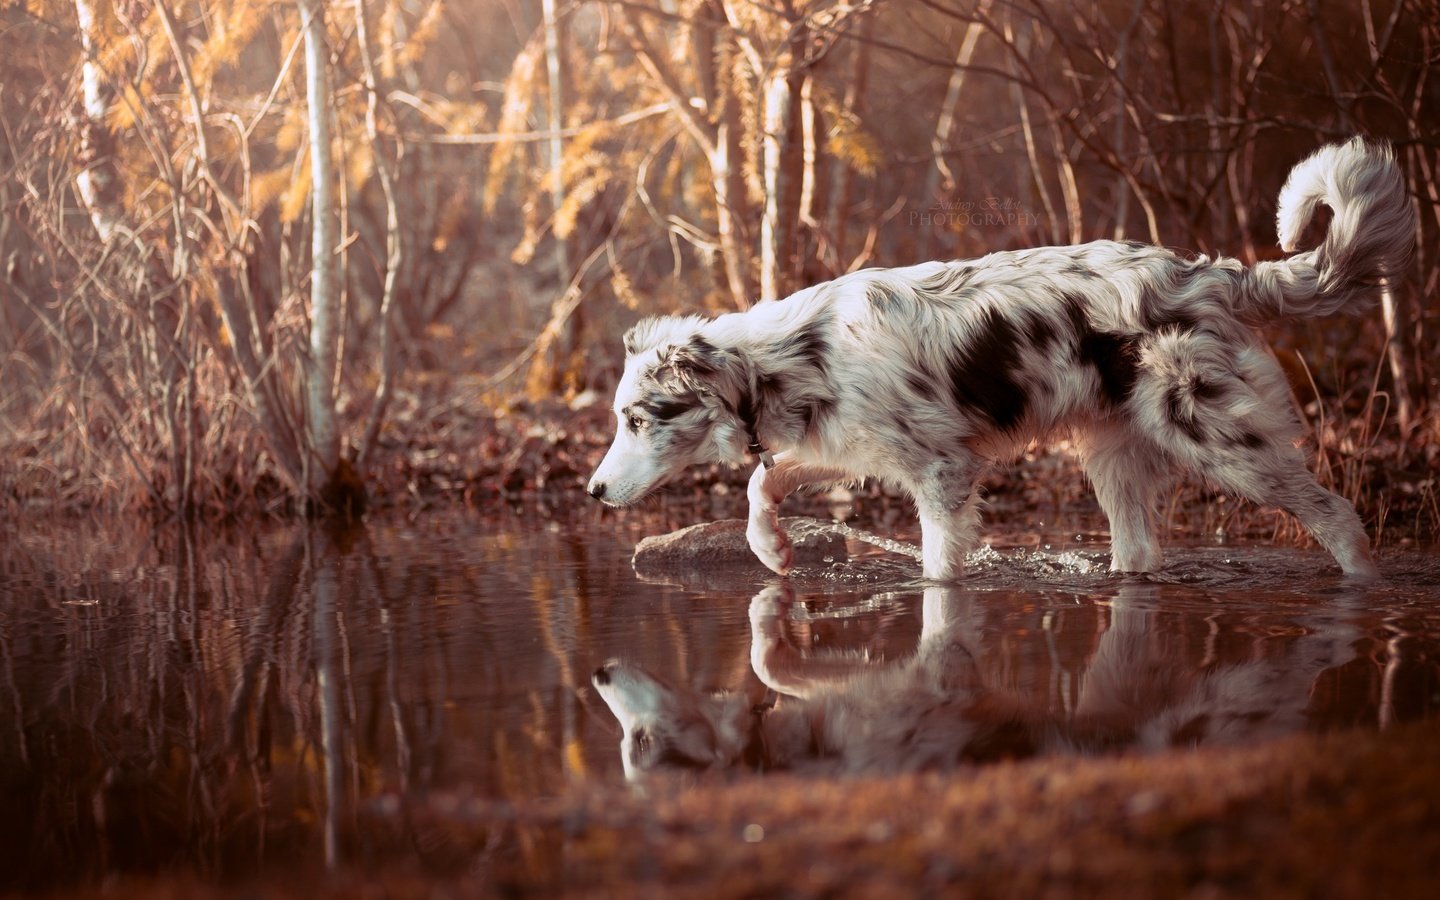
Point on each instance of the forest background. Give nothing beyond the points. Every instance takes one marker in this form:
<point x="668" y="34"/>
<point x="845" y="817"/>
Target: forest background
<point x="495" y="189"/>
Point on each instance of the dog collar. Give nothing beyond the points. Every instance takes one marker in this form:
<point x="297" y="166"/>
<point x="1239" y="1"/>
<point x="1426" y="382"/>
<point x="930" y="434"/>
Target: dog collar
<point x="745" y="409"/>
<point x="767" y="459"/>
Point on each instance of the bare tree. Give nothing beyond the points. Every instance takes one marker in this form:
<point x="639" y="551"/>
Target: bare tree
<point x="325" y="323"/>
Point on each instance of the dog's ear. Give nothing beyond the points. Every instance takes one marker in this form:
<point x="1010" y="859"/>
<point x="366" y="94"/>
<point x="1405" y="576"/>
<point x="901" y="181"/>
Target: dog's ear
<point x="700" y="366"/>
<point x="698" y="357"/>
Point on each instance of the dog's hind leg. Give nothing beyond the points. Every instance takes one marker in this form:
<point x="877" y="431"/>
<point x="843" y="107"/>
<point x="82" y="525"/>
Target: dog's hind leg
<point x="949" y="511"/>
<point x="1226" y="413"/>
<point x="767" y="490"/>
<point x="1277" y="476"/>
<point x="1128" y="472"/>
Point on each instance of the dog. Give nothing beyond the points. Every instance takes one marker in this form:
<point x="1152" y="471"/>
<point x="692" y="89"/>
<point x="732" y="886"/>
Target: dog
<point x="939" y="708"/>
<point x="924" y="376"/>
<point x="836" y="715"/>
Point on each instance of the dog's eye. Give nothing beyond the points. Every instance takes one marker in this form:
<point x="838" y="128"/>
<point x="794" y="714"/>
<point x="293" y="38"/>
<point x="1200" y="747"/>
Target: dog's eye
<point x="634" y="422"/>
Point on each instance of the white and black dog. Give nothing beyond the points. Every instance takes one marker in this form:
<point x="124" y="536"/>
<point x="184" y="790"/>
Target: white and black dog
<point x="922" y="376"/>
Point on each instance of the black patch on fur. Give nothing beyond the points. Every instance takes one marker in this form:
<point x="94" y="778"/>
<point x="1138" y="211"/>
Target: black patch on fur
<point x="920" y="385"/>
<point x="1206" y="390"/>
<point x="668" y="408"/>
<point x="1039" y="331"/>
<point x="1252" y="440"/>
<point x="1175" y="411"/>
<point x="814" y="412"/>
<point x="1166" y="319"/>
<point x="1158" y="311"/>
<point x="1075" y="311"/>
<point x="807" y="345"/>
<point x="982" y="375"/>
<point x="1116" y="358"/>
<point x="768" y="387"/>
<point x="701" y="356"/>
<point x="745" y="411"/>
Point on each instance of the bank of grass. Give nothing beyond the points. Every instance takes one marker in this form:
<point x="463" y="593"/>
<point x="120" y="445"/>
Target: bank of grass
<point x="450" y="443"/>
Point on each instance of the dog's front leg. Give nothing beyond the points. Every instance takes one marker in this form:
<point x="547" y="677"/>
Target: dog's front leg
<point x="783" y="668"/>
<point x="768" y="489"/>
<point x="949" y="516"/>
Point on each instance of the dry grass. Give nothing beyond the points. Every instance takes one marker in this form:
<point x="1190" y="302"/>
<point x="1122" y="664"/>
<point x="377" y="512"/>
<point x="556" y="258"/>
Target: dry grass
<point x="1342" y="815"/>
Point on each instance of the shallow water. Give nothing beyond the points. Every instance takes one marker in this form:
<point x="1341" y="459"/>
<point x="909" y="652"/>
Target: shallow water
<point x="211" y="704"/>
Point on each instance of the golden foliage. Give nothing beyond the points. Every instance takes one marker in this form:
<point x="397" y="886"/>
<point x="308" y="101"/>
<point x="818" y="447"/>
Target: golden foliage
<point x="292" y="130"/>
<point x="359" y="163"/>
<point x="386" y="38"/>
<point x="520" y="88"/>
<point x="847" y="140"/>
<point x="584" y="172"/>
<point x="266" y="187"/>
<point x="122" y="113"/>
<point x="292" y="203"/>
<point x="524" y="252"/>
<point x="622" y="286"/>
<point x="575" y="200"/>
<point x="422" y="35"/>
<point x="231" y="32"/>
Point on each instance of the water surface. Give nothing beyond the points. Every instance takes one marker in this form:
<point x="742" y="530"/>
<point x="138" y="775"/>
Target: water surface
<point x="217" y="704"/>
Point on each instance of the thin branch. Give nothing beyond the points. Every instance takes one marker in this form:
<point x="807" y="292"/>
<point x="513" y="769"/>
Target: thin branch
<point x="621" y="121"/>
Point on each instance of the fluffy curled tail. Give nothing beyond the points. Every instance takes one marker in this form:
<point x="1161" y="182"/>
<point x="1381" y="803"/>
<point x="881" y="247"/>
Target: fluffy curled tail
<point x="1371" y="234"/>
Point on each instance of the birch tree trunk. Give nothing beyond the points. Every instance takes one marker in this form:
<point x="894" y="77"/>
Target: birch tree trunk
<point x="727" y="170"/>
<point x="782" y="164"/>
<point x="98" y="181"/>
<point x="555" y="121"/>
<point x="324" y="296"/>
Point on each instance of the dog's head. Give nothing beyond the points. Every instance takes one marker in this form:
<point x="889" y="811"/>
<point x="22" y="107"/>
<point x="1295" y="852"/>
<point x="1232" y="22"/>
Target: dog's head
<point x="669" y="727"/>
<point x="677" y="404"/>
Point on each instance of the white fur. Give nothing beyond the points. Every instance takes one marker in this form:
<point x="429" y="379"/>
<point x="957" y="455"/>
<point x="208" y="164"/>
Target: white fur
<point x="923" y="376"/>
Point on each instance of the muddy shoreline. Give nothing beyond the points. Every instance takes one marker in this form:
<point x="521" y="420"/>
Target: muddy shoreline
<point x="1337" y="815"/>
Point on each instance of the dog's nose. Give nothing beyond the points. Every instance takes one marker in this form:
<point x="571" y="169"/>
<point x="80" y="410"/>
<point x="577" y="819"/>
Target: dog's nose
<point x="601" y="676"/>
<point x="597" y="489"/>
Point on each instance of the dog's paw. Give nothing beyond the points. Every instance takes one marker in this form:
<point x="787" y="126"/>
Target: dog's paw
<point x="769" y="542"/>
<point x="767" y="609"/>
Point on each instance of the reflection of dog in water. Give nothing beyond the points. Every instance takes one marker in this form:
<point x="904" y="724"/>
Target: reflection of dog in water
<point x="935" y="709"/>
<point x="923" y="376"/>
